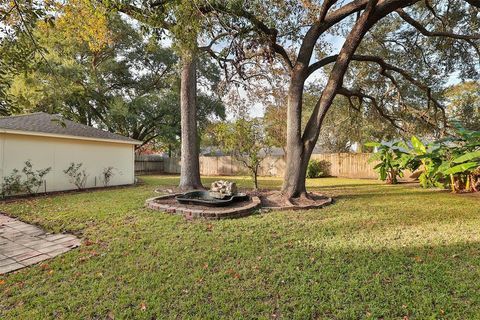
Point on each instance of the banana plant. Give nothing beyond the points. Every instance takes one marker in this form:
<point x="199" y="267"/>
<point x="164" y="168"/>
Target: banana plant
<point x="392" y="158"/>
<point x="461" y="171"/>
<point x="430" y="158"/>
<point x="462" y="160"/>
<point x="454" y="160"/>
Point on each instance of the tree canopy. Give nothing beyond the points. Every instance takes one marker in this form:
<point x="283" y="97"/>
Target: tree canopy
<point x="111" y="75"/>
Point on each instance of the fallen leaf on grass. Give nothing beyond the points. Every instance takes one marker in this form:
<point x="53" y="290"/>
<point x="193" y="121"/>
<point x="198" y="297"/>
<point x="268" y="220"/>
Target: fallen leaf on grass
<point x="2" y="282"/>
<point x="233" y="273"/>
<point x="418" y="259"/>
<point x="143" y="306"/>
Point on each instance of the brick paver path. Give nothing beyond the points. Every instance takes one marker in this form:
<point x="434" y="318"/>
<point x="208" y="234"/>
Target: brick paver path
<point x="23" y="244"/>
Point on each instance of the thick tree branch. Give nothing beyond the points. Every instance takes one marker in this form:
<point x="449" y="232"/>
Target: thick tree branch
<point x="322" y="25"/>
<point x="326" y="5"/>
<point x="362" y="96"/>
<point x="142" y="16"/>
<point x="321" y="63"/>
<point x="384" y="66"/>
<point x="271" y="33"/>
<point x="417" y="25"/>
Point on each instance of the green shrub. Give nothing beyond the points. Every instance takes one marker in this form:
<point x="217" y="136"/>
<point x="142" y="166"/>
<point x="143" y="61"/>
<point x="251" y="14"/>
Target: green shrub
<point x="318" y="168"/>
<point x="12" y="184"/>
<point x="392" y="159"/>
<point x="76" y="176"/>
<point x="34" y="177"/>
<point x="107" y="175"/>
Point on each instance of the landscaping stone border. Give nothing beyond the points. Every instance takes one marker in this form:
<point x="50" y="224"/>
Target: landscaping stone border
<point x="214" y="213"/>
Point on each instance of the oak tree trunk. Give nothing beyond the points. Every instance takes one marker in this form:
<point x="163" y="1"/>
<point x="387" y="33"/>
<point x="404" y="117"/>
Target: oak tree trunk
<point x="300" y="146"/>
<point x="296" y="162"/>
<point x="189" y="164"/>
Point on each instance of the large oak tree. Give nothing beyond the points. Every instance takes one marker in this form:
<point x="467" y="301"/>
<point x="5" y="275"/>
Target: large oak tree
<point x="411" y="47"/>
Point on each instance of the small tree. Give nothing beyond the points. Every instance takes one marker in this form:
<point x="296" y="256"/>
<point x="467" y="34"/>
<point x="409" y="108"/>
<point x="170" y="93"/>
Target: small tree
<point x="245" y="140"/>
<point x="76" y="176"/>
<point x="275" y="129"/>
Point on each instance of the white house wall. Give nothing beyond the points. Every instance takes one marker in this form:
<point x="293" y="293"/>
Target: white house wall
<point x="58" y="153"/>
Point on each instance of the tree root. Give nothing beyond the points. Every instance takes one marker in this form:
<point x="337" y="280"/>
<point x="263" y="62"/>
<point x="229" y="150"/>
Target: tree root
<point x="291" y="201"/>
<point x="305" y="196"/>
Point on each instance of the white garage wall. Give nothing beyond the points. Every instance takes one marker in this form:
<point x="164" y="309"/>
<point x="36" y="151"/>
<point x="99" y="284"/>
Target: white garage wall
<point x="58" y="153"/>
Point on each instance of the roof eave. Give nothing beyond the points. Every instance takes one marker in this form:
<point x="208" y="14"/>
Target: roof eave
<point x="66" y="136"/>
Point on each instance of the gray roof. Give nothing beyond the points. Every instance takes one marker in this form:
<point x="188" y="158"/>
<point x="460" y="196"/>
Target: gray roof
<point x="54" y="124"/>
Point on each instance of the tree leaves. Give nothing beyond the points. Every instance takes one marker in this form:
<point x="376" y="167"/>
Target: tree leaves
<point x="475" y="155"/>
<point x="461" y="168"/>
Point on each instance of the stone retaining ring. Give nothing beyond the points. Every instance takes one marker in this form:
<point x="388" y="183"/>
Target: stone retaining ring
<point x="238" y="210"/>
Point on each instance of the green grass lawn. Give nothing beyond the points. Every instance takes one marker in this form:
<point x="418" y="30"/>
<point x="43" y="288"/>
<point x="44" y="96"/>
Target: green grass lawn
<point x="380" y="251"/>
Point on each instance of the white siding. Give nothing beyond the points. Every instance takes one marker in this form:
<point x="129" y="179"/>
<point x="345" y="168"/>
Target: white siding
<point x="58" y="153"/>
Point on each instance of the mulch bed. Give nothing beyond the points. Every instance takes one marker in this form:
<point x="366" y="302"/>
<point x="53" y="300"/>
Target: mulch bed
<point x="276" y="201"/>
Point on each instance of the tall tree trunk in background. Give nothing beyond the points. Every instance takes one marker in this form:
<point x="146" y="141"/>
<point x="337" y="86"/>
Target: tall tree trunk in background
<point x="190" y="166"/>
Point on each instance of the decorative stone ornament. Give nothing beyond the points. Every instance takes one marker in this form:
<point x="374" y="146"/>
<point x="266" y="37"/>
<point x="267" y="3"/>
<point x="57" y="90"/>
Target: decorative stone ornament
<point x="221" y="189"/>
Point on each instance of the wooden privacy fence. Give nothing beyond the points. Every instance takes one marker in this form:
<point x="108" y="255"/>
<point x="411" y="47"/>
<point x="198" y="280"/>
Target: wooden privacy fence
<point x="352" y="165"/>
<point x="147" y="164"/>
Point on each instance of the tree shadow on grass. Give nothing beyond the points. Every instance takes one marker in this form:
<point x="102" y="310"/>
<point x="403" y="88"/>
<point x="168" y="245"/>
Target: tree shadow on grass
<point x="253" y="267"/>
<point x="413" y="282"/>
<point x="371" y="195"/>
<point x="336" y="186"/>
